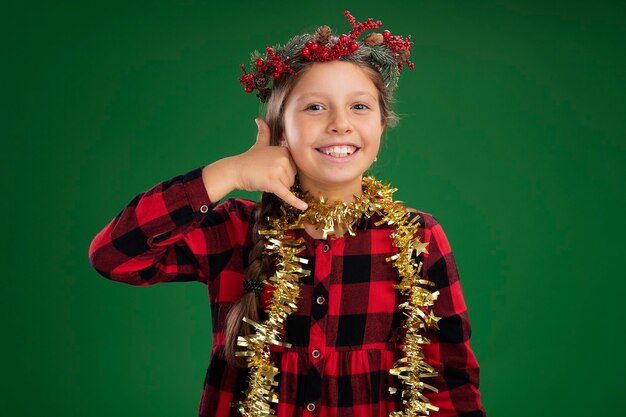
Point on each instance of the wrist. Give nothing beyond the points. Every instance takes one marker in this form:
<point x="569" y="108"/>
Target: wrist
<point x="232" y="170"/>
<point x="218" y="179"/>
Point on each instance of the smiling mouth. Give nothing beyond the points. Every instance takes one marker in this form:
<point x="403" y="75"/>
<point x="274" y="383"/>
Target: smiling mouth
<point x="339" y="151"/>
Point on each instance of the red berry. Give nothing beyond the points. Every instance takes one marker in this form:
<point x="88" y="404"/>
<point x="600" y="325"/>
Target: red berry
<point x="353" y="46"/>
<point x="259" y="62"/>
<point x="386" y="34"/>
<point x="313" y="47"/>
<point x="276" y="74"/>
<point x="249" y="89"/>
<point x="306" y="52"/>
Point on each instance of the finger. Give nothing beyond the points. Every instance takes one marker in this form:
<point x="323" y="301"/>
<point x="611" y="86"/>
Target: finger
<point x="288" y="197"/>
<point x="263" y="132"/>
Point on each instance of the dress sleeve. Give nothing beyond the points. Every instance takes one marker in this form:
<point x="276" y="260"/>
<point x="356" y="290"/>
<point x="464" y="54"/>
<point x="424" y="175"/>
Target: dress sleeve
<point x="156" y="237"/>
<point x="449" y="351"/>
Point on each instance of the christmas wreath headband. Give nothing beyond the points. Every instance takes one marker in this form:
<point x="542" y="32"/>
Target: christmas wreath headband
<point x="385" y="52"/>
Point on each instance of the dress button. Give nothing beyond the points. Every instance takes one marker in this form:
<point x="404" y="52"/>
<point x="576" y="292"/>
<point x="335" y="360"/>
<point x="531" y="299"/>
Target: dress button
<point x="325" y="248"/>
<point x="320" y="300"/>
<point x="310" y="407"/>
<point x="204" y="208"/>
<point x="316" y="353"/>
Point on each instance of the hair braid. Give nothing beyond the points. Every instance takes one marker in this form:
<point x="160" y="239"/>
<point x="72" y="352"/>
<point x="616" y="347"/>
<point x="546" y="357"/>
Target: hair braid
<point x="260" y="266"/>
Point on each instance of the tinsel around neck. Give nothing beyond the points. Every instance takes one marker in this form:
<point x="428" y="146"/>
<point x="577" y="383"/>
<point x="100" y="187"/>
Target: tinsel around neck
<point x="338" y="217"/>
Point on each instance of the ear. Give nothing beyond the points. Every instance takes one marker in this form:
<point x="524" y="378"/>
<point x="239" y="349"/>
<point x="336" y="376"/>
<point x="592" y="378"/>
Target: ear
<point x="283" y="142"/>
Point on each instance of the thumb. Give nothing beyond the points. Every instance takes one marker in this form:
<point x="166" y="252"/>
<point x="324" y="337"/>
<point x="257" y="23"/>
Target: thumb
<point x="263" y="133"/>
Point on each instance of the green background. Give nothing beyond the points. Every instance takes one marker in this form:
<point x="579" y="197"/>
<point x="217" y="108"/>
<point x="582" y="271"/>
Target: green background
<point x="512" y="135"/>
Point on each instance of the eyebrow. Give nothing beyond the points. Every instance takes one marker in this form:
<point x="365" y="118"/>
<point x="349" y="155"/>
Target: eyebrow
<point x="319" y="94"/>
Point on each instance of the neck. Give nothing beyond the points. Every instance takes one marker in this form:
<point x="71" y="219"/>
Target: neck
<point x="332" y="192"/>
<point x="329" y="217"/>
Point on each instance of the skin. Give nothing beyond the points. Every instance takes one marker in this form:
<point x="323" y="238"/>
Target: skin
<point x="334" y="103"/>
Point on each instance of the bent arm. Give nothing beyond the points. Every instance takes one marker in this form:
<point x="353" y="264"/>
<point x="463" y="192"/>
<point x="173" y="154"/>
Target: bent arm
<point x="155" y="238"/>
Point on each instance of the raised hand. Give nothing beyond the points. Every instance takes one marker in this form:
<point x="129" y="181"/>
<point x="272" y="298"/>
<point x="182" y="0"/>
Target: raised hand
<point x="263" y="167"/>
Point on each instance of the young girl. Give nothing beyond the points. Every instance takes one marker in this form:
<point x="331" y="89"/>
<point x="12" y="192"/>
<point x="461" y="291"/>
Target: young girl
<point x="328" y="298"/>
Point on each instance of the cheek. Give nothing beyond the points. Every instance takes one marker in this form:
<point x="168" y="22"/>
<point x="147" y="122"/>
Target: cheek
<point x="301" y="163"/>
<point x="374" y="133"/>
<point x="298" y="134"/>
<point x="376" y="146"/>
<point x="292" y="130"/>
<point x="288" y="122"/>
<point x="294" y="143"/>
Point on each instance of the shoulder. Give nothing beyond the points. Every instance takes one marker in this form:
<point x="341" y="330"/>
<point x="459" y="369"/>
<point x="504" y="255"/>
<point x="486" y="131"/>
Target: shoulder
<point x="426" y="220"/>
<point x="431" y="229"/>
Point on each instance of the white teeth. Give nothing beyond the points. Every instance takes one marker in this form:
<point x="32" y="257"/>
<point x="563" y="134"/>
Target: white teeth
<point x="339" y="151"/>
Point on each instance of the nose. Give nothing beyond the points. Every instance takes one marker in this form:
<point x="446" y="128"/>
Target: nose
<point x="340" y="123"/>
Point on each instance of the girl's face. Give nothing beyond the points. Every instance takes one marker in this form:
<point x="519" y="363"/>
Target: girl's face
<point x="333" y="128"/>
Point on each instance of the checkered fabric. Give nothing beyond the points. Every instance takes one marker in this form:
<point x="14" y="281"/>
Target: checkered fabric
<point x="344" y="334"/>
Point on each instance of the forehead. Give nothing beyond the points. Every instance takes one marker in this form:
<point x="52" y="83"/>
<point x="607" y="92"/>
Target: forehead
<point x="334" y="78"/>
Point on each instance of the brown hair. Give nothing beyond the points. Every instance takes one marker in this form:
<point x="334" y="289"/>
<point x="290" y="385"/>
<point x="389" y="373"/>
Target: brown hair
<point x="260" y="266"/>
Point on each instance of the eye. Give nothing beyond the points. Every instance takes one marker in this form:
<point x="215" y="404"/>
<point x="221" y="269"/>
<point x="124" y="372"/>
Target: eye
<point x="361" y="106"/>
<point x="314" y="107"/>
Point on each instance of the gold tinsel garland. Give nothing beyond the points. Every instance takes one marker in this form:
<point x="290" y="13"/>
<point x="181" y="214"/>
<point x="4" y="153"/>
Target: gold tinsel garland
<point x="335" y="220"/>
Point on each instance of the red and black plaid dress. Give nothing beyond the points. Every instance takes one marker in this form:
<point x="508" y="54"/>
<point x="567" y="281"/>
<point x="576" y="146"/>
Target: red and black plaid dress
<point x="344" y="334"/>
